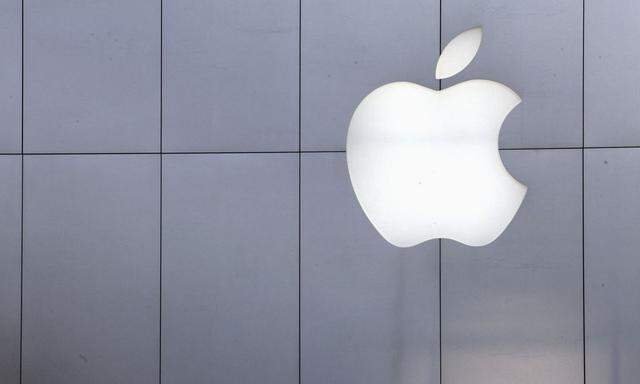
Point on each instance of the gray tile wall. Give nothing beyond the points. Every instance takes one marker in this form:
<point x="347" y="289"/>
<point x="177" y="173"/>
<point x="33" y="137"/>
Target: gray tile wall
<point x="91" y="269"/>
<point x="92" y="76"/>
<point x="10" y="75"/>
<point x="349" y="48"/>
<point x="612" y="116"/>
<point x="230" y="75"/>
<point x="175" y="204"/>
<point x="10" y="190"/>
<point x="230" y="268"/>
<point x="515" y="306"/>
<point x="535" y="47"/>
<point x="369" y="309"/>
<point x="612" y="219"/>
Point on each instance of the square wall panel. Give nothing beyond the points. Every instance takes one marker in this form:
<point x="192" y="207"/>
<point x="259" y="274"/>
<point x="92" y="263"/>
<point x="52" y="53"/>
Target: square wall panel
<point x="611" y="92"/>
<point x="92" y="76"/>
<point x="230" y="75"/>
<point x="612" y="220"/>
<point x="369" y="309"/>
<point x="10" y="207"/>
<point x="10" y="75"/>
<point x="535" y="48"/>
<point x="91" y="269"/>
<point x="230" y="269"/>
<point x="350" y="48"/>
<point x="512" y="310"/>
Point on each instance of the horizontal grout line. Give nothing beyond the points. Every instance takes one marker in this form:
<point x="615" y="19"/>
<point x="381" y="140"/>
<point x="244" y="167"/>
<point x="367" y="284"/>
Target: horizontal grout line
<point x="225" y="152"/>
<point x="149" y="153"/>
<point x="160" y="153"/>
<point x="281" y="152"/>
<point x="613" y="147"/>
<point x="565" y="148"/>
<point x="538" y="148"/>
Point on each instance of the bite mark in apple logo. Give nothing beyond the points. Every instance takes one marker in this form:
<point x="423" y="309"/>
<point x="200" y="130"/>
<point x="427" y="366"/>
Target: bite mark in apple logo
<point x="425" y="164"/>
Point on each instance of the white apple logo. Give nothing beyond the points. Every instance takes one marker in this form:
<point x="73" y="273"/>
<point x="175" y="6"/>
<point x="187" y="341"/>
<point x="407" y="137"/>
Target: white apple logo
<point x="425" y="164"/>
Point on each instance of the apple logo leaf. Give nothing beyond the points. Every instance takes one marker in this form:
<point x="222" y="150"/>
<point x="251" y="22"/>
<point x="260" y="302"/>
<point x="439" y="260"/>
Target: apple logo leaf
<point x="459" y="53"/>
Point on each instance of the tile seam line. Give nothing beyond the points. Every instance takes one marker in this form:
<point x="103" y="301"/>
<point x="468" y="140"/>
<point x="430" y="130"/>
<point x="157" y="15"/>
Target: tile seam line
<point x="21" y="330"/>
<point x="161" y="139"/>
<point x="299" y="155"/>
<point x="282" y="152"/>
<point x="440" y="333"/>
<point x="584" y="321"/>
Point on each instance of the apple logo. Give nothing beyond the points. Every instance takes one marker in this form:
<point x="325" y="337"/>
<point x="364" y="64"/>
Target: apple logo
<point x="425" y="164"/>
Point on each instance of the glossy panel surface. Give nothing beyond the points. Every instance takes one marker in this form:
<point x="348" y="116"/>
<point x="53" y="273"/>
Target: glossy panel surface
<point x="349" y="48"/>
<point x="611" y="92"/>
<point x="91" y="269"/>
<point x="612" y="220"/>
<point x="10" y="269"/>
<point x="10" y="75"/>
<point x="92" y="76"/>
<point x="535" y="48"/>
<point x="512" y="310"/>
<point x="231" y="75"/>
<point x="230" y="269"/>
<point x="369" y="309"/>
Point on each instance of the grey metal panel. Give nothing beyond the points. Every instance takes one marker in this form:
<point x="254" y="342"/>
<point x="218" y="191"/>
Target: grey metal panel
<point x="611" y="91"/>
<point x="369" y="309"/>
<point x="9" y="269"/>
<point x="534" y="47"/>
<point x="230" y="75"/>
<point x="612" y="220"/>
<point x="349" y="48"/>
<point x="230" y="269"/>
<point x="91" y="269"/>
<point x="10" y="75"/>
<point x="92" y="76"/>
<point x="512" y="310"/>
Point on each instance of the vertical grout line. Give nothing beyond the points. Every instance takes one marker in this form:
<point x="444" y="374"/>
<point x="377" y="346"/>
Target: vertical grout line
<point x="584" y="322"/>
<point x="300" y="192"/>
<point x="161" y="71"/>
<point x="161" y="197"/>
<point x="21" y="259"/>
<point x="160" y="285"/>
<point x="440" y="240"/>
<point x="440" y="307"/>
<point x="583" y="55"/>
<point x="21" y="185"/>
<point x="299" y="76"/>
<point x="439" y="39"/>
